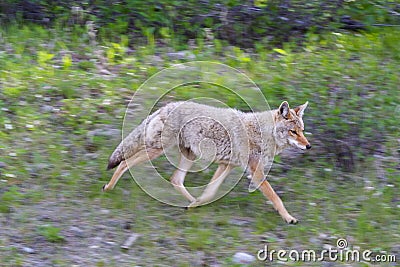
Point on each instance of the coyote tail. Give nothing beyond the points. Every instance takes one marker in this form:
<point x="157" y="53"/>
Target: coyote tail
<point x="129" y="146"/>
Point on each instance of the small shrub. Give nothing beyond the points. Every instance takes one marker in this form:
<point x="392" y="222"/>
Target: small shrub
<point x="51" y="233"/>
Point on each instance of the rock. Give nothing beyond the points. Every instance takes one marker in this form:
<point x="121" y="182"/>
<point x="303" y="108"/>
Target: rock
<point x="323" y="236"/>
<point x="126" y="225"/>
<point x="314" y="241"/>
<point x="198" y="259"/>
<point x="105" y="211"/>
<point x="154" y="59"/>
<point x="2" y="165"/>
<point x="110" y="243"/>
<point x="112" y="223"/>
<point x="91" y="156"/>
<point x="104" y="132"/>
<point x="76" y="231"/>
<point x="180" y="55"/>
<point x="28" y="250"/>
<point x="46" y="108"/>
<point x="243" y="258"/>
<point x="238" y="222"/>
<point x="129" y="242"/>
<point x="105" y="72"/>
<point x="41" y="166"/>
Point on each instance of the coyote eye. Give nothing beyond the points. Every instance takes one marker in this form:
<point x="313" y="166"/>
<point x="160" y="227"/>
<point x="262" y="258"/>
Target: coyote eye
<point x="293" y="132"/>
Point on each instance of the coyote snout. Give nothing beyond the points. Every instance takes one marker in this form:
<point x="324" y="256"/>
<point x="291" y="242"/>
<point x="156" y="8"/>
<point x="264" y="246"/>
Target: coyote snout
<point x="248" y="140"/>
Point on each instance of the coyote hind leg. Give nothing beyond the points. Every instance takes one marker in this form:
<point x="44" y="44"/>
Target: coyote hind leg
<point x="219" y="176"/>
<point x="139" y="157"/>
<point x="177" y="179"/>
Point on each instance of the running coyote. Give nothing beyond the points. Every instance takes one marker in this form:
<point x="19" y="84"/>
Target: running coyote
<point x="225" y="136"/>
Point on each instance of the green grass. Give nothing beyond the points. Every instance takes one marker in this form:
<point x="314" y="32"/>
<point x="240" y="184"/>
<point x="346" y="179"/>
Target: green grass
<point x="54" y="95"/>
<point x="51" y="233"/>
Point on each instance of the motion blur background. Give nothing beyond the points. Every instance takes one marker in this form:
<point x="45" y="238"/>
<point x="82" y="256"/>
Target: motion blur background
<point x="69" y="68"/>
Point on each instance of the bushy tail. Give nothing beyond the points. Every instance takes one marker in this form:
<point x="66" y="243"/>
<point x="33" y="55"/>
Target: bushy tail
<point x="127" y="148"/>
<point x="135" y="141"/>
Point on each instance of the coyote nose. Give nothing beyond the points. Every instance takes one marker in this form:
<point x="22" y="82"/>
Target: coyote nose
<point x="308" y="146"/>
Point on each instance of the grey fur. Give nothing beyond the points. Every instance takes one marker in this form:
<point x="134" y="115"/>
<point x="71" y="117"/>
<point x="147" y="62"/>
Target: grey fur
<point x="233" y="136"/>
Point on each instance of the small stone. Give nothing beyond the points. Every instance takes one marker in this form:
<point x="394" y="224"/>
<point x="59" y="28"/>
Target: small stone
<point x="2" y="165"/>
<point x="154" y="59"/>
<point x="91" y="156"/>
<point x="104" y="132"/>
<point x="129" y="242"/>
<point x="181" y="55"/>
<point x="126" y="225"/>
<point x="110" y="243"/>
<point x="76" y="231"/>
<point x="238" y="222"/>
<point x="42" y="166"/>
<point x="198" y="259"/>
<point x="46" y="108"/>
<point x="243" y="258"/>
<point x="28" y="250"/>
<point x="105" y="72"/>
<point x="314" y="241"/>
<point x="106" y="102"/>
<point x="323" y="236"/>
<point x="104" y="211"/>
<point x="8" y="126"/>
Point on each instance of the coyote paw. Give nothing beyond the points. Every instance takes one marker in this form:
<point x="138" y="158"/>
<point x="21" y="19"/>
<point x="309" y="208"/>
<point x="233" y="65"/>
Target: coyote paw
<point x="104" y="188"/>
<point x="193" y="204"/>
<point x="196" y="203"/>
<point x="290" y="219"/>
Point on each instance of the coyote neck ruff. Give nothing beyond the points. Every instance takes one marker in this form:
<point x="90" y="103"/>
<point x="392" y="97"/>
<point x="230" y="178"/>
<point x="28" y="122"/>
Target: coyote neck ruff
<point x="225" y="136"/>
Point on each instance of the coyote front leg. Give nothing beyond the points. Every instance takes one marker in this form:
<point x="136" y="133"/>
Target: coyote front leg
<point x="268" y="192"/>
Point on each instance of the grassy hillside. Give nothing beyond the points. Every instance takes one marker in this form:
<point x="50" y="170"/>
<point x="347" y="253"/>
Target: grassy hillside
<point x="62" y="101"/>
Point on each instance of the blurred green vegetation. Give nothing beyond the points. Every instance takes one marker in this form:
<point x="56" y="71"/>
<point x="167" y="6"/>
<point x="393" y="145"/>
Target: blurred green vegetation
<point x="240" y="23"/>
<point x="64" y="90"/>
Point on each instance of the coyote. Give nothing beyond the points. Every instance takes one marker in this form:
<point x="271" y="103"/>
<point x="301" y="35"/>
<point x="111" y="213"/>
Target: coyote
<point x="249" y="140"/>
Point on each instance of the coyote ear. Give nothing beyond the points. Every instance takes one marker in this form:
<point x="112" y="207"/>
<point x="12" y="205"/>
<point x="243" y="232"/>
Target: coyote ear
<point x="284" y="109"/>
<point x="300" y="109"/>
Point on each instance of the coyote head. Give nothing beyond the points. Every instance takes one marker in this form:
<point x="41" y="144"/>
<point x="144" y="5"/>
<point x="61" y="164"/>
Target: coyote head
<point x="289" y="126"/>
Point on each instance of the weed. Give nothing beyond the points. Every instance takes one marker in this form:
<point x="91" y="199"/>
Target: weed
<point x="51" y="233"/>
